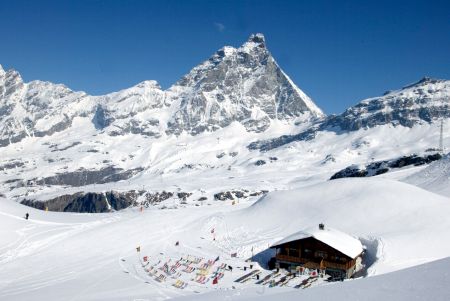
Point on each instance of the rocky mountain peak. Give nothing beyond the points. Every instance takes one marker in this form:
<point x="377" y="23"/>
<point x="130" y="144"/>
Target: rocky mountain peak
<point x="424" y="81"/>
<point x="257" y="38"/>
<point x="13" y="77"/>
<point x="244" y="84"/>
<point x="149" y="84"/>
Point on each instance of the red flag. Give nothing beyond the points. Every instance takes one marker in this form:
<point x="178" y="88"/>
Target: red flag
<point x="145" y="258"/>
<point x="215" y="281"/>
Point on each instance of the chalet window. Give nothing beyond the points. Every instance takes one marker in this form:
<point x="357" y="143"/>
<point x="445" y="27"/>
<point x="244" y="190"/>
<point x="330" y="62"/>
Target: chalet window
<point x="340" y="259"/>
<point x="321" y="254"/>
<point x="307" y="253"/>
<point x="293" y="252"/>
<point x="283" y="251"/>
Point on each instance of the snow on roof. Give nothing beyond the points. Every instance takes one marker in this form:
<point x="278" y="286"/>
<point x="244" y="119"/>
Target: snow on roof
<point x="336" y="239"/>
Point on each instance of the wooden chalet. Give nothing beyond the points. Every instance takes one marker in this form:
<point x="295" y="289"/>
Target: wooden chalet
<point x="320" y="248"/>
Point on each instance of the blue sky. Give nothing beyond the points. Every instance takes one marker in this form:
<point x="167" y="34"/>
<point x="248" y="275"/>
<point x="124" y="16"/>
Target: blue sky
<point x="338" y="52"/>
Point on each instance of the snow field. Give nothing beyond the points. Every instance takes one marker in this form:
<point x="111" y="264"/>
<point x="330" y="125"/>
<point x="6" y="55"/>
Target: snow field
<point x="57" y="256"/>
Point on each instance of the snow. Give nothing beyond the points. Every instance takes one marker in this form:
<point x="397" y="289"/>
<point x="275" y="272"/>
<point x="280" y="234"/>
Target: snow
<point x="400" y="217"/>
<point x="435" y="177"/>
<point x="340" y="241"/>
<point x="55" y="256"/>
<point x="424" y="282"/>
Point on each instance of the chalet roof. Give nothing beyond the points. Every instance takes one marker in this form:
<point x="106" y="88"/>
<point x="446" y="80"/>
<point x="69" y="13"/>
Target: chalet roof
<point x="336" y="239"/>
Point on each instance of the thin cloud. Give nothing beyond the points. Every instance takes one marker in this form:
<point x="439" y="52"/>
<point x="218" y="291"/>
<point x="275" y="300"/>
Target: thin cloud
<point x="219" y="26"/>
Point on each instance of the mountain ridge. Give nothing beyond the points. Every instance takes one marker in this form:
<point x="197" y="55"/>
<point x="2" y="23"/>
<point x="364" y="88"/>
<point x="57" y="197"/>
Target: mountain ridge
<point x="242" y="84"/>
<point x="236" y="117"/>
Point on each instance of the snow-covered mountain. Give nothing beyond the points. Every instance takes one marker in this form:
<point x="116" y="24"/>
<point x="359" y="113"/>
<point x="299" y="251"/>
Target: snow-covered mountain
<point x="424" y="101"/>
<point x="242" y="84"/>
<point x="36" y="108"/>
<point x="243" y="157"/>
<point x="147" y="144"/>
<point x="418" y="103"/>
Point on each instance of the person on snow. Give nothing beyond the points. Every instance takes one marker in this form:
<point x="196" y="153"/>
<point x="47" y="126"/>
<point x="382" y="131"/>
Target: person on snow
<point x="26" y="215"/>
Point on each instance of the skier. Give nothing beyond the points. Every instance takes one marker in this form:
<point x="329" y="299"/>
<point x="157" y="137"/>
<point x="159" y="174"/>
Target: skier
<point x="26" y="215"/>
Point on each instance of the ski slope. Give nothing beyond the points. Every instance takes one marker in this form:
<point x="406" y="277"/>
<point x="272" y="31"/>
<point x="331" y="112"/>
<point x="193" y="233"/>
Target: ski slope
<point x="62" y="256"/>
<point x="435" y="177"/>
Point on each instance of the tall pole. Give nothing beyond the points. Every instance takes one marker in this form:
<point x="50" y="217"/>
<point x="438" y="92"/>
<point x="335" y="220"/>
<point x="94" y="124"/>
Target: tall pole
<point x="441" y="138"/>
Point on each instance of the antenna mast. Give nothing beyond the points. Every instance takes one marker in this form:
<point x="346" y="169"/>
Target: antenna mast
<point x="441" y="138"/>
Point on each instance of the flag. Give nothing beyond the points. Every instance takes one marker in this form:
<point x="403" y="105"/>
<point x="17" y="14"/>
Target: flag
<point x="215" y="281"/>
<point x="145" y="258"/>
<point x="217" y="259"/>
<point x="233" y="254"/>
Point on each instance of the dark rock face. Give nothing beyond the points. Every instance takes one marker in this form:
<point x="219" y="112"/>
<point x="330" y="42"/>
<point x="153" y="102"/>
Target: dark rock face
<point x="260" y="162"/>
<point x="11" y="164"/>
<point x="350" y="172"/>
<point x="236" y="194"/>
<point x="223" y="196"/>
<point x="380" y="167"/>
<point x="267" y="145"/>
<point x="137" y="127"/>
<point x="183" y="195"/>
<point x="87" y="202"/>
<point x="101" y="118"/>
<point x="87" y="177"/>
<point x="157" y="197"/>
<point x="55" y="148"/>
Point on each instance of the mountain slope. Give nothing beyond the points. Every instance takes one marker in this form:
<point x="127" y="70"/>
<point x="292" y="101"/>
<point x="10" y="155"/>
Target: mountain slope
<point x="435" y="177"/>
<point x="423" y="102"/>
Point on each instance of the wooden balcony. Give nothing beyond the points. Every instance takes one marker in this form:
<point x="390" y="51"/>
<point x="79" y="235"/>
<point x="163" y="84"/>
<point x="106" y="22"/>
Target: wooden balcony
<point x="314" y="264"/>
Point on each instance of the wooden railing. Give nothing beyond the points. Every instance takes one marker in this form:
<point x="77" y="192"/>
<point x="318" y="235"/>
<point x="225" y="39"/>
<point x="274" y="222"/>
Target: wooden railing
<point x="291" y="258"/>
<point x="314" y="264"/>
